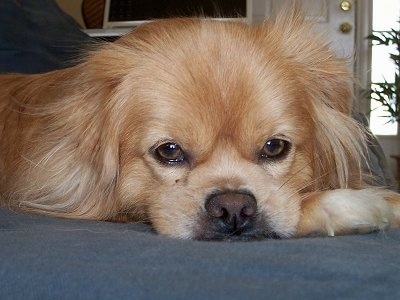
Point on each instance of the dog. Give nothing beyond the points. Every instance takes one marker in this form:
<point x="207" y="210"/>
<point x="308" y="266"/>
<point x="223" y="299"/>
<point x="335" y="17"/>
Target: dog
<point x="204" y="129"/>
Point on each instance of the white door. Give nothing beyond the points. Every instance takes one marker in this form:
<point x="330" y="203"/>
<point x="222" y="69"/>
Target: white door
<point x="336" y="18"/>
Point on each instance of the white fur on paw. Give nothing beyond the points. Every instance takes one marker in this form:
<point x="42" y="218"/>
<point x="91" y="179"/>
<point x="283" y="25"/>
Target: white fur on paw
<point x="347" y="211"/>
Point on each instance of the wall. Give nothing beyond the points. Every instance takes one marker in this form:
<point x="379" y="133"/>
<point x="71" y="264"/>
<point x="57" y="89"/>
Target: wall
<point x="73" y="8"/>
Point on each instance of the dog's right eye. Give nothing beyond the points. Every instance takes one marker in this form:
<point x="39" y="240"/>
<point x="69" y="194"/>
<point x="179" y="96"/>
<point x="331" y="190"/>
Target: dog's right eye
<point x="275" y="149"/>
<point x="169" y="153"/>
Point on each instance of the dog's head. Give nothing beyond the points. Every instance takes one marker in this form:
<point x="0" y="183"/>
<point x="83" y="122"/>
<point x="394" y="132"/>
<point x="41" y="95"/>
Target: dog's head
<point x="225" y="125"/>
<point x="211" y="130"/>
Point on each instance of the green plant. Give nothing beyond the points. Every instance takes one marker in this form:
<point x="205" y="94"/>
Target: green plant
<point x="387" y="94"/>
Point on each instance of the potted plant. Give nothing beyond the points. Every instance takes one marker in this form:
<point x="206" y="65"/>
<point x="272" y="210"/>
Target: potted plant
<point x="387" y="94"/>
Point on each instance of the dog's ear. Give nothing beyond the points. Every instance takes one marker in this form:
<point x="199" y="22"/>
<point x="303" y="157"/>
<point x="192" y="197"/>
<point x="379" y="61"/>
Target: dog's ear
<point x="339" y="142"/>
<point x="66" y="158"/>
<point x="327" y="76"/>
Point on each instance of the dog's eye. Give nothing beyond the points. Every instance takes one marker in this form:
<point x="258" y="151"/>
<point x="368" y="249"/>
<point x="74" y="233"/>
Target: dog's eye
<point x="169" y="153"/>
<point x="275" y="149"/>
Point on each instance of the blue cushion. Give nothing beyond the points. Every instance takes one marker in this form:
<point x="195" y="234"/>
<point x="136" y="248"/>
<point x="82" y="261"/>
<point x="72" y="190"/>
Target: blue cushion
<point x="50" y="258"/>
<point x="36" y="36"/>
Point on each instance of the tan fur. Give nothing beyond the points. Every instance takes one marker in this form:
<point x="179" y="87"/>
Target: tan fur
<point x="78" y="142"/>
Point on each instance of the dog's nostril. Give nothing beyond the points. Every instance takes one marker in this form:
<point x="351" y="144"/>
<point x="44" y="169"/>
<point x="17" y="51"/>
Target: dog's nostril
<point x="234" y="209"/>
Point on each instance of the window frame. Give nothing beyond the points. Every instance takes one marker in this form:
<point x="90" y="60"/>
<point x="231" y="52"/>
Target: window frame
<point x="363" y="61"/>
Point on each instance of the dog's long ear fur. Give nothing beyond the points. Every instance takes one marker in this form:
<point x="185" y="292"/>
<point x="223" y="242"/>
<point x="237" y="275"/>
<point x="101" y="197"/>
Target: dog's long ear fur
<point x="73" y="171"/>
<point x="339" y="141"/>
<point x="80" y="111"/>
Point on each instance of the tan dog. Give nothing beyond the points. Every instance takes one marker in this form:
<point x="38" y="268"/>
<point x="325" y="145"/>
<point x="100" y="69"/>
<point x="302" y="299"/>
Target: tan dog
<point x="204" y="129"/>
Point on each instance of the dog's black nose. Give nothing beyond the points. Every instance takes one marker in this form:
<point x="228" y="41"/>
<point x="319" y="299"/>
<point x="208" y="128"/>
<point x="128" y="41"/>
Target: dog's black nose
<point x="232" y="212"/>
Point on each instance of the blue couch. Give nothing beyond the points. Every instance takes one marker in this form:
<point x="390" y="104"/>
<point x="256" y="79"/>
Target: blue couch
<point x="51" y="258"/>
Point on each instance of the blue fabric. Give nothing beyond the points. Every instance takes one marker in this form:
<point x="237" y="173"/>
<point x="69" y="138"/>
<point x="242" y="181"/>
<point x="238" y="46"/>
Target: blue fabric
<point x="36" y="36"/>
<point x="50" y="258"/>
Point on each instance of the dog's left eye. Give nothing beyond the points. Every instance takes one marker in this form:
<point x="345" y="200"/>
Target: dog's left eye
<point x="169" y="153"/>
<point x="275" y="149"/>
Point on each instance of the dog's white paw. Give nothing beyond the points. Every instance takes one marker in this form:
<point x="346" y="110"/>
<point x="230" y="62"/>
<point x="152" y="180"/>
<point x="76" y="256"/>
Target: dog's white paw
<point x="345" y="211"/>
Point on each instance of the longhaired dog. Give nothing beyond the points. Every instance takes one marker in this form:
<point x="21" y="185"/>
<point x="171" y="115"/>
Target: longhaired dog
<point x="204" y="129"/>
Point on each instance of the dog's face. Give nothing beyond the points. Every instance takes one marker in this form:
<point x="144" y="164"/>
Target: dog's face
<point x="206" y="130"/>
<point x="218" y="132"/>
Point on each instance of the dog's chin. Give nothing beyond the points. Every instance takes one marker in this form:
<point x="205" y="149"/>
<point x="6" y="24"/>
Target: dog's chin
<point x="238" y="238"/>
<point x="237" y="235"/>
<point x="252" y="229"/>
<point x="204" y="232"/>
<point x="206" y="228"/>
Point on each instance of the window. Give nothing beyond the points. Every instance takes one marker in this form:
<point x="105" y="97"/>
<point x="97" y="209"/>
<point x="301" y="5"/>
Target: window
<point x="386" y="14"/>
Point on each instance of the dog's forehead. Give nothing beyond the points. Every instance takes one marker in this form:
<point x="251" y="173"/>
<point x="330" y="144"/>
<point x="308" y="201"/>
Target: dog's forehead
<point x="243" y="111"/>
<point x="214" y="68"/>
<point x="216" y="84"/>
